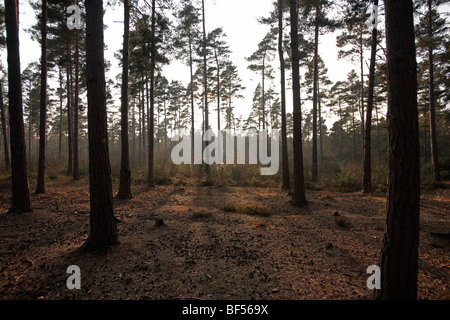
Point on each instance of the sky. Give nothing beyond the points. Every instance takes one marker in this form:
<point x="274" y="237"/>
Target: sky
<point x="238" y="18"/>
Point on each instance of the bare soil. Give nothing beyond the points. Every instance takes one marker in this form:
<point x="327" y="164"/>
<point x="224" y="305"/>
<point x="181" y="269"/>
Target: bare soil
<point x="319" y="252"/>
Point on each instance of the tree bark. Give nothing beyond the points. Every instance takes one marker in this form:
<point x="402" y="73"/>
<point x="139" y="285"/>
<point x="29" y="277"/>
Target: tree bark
<point x="367" y="178"/>
<point x="299" y="198"/>
<point x="399" y="258"/>
<point x="286" y="185"/>
<point x="20" y="201"/>
<point x="40" y="188"/>
<point x="125" y="171"/>
<point x="103" y="229"/>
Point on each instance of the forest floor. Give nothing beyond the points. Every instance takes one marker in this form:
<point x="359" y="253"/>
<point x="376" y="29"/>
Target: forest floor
<point x="207" y="251"/>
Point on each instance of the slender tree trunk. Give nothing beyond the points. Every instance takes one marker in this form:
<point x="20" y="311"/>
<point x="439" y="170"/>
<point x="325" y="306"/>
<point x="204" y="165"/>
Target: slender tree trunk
<point x="60" y="113"/>
<point x="69" y="112"/>
<point x="362" y="90"/>
<point x="399" y="259"/>
<point x="315" y="170"/>
<point x="165" y="124"/>
<point x="367" y="178"/>
<point x="425" y="143"/>
<point x="103" y="229"/>
<point x="432" y="98"/>
<point x="284" y="154"/>
<point x="40" y="188"/>
<point x="299" y="198"/>
<point x="354" y="133"/>
<point x="218" y="88"/>
<point x="205" y="79"/>
<point x="76" y="169"/>
<point x="320" y="120"/>
<point x="263" y="91"/>
<point x="30" y="122"/>
<point x="144" y="120"/>
<point x="378" y="134"/>
<point x="125" y="171"/>
<point x="140" y="125"/>
<point x="20" y="201"/>
<point x="4" y="131"/>
<point x="151" y="132"/>
<point x="192" y="104"/>
<point x="340" y="129"/>
<point x="134" y="134"/>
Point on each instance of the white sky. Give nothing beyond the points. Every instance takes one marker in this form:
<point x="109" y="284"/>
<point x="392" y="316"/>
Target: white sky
<point x="239" y="21"/>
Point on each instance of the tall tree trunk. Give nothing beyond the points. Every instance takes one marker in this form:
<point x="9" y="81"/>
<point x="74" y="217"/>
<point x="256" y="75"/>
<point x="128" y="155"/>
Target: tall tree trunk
<point x="205" y="80"/>
<point x="320" y="120"/>
<point x="362" y="90"/>
<point x="299" y="198"/>
<point x="431" y="92"/>
<point x="133" y="157"/>
<point x="399" y="259"/>
<point x="76" y="169"/>
<point x="4" y="131"/>
<point x="340" y="129"/>
<point x="315" y="170"/>
<point x="69" y="111"/>
<point x="40" y="188"/>
<point x="367" y="178"/>
<point x="30" y="122"/>
<point x="140" y="124"/>
<point x="218" y="89"/>
<point x="425" y="143"/>
<point x="20" y="201"/>
<point x="378" y="134"/>
<point x="151" y="131"/>
<point x="284" y="152"/>
<point x="103" y="229"/>
<point x="60" y="113"/>
<point x="192" y="104"/>
<point x="263" y="91"/>
<point x="144" y="120"/>
<point x="125" y="171"/>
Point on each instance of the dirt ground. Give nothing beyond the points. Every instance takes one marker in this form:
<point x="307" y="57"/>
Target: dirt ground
<point x="203" y="252"/>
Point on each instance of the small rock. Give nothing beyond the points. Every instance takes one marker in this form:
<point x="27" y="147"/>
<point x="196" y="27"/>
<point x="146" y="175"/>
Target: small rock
<point x="159" y="223"/>
<point x="336" y="214"/>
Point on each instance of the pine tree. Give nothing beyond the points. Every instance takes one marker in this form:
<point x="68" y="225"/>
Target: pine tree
<point x="188" y="33"/>
<point x="40" y="188"/>
<point x="260" y="63"/>
<point x="103" y="229"/>
<point x="20" y="201"/>
<point x="431" y="33"/>
<point x="125" y="171"/>
<point x="399" y="259"/>
<point x="299" y="198"/>
<point x="367" y="181"/>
